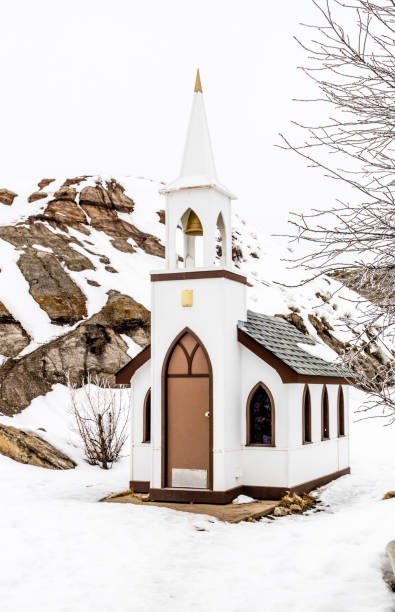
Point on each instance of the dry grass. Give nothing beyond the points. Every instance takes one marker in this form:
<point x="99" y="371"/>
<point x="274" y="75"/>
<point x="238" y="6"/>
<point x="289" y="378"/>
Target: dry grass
<point x="297" y="503"/>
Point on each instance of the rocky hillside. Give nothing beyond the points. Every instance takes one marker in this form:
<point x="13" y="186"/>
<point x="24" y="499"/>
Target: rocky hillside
<point x="74" y="281"/>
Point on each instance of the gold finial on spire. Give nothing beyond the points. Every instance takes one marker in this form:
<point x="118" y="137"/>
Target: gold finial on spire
<point x="198" y="85"/>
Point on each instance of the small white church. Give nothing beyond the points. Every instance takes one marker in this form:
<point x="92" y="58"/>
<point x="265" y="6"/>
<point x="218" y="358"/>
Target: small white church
<point x="225" y="400"/>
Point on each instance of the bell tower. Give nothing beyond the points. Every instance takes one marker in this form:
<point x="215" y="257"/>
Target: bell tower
<point x="197" y="202"/>
<point x="196" y="302"/>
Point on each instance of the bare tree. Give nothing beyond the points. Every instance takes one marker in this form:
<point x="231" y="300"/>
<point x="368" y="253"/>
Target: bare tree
<point x="101" y="417"/>
<point x="351" y="59"/>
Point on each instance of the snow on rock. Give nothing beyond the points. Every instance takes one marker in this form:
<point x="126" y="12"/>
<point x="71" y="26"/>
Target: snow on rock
<point x="95" y="239"/>
<point x="14" y="293"/>
<point x="63" y="255"/>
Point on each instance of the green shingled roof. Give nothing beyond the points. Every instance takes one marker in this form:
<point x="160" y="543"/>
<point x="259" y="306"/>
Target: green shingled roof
<point x="283" y="340"/>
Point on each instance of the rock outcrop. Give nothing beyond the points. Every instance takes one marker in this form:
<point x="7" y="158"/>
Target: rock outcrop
<point x="26" y="447"/>
<point x="324" y="331"/>
<point x="37" y="195"/>
<point x="42" y="253"/>
<point x="94" y="347"/>
<point x="13" y="338"/>
<point x="45" y="182"/>
<point x="7" y="197"/>
<point x="33" y="234"/>
<point x="64" y="212"/>
<point x="296" y="320"/>
<point x="52" y="288"/>
<point x="101" y="206"/>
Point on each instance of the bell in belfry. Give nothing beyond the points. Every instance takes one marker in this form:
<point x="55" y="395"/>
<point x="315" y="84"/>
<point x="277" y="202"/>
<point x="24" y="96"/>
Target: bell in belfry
<point x="194" y="227"/>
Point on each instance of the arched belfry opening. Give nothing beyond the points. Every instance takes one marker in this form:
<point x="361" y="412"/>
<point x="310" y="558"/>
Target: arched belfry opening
<point x="187" y="414"/>
<point x="221" y="246"/>
<point x="192" y="239"/>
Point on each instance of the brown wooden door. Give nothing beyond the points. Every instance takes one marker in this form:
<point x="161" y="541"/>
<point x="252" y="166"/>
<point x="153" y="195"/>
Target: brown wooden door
<point x="188" y="415"/>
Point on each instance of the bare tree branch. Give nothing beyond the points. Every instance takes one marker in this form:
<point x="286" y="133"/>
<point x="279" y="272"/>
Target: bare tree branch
<point x="101" y="416"/>
<point x="351" y="59"/>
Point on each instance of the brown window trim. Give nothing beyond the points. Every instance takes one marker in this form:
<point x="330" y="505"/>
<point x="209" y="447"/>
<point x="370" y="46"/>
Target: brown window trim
<point x="146" y="433"/>
<point x="250" y="396"/>
<point x="260" y="446"/>
<point x="340" y="394"/>
<point x="324" y="394"/>
<point x="306" y="391"/>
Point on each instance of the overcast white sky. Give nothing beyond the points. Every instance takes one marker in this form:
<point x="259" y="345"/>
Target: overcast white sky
<point x="93" y="86"/>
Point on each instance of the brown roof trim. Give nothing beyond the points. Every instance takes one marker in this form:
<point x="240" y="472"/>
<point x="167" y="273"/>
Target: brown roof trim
<point x="165" y="276"/>
<point x="124" y="375"/>
<point x="287" y="374"/>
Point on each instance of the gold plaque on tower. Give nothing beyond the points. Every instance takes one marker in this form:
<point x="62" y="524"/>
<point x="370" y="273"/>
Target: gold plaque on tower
<point x="187" y="297"/>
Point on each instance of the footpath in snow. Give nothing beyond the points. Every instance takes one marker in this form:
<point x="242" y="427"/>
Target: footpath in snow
<point x="61" y="551"/>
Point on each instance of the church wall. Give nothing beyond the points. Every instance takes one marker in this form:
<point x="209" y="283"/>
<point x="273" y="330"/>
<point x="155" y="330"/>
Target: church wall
<point x="295" y="395"/>
<point x="264" y="466"/>
<point x="344" y="452"/>
<point x="291" y="462"/>
<point x="310" y="461"/>
<point x="140" y="456"/>
<point x="218" y="303"/>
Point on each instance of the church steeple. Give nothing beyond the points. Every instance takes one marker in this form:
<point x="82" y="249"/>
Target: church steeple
<point x="198" y="160"/>
<point x="196" y="201"/>
<point x="197" y="166"/>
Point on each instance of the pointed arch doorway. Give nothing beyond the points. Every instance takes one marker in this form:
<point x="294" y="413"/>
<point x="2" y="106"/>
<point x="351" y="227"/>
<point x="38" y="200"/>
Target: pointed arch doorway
<point x="187" y="414"/>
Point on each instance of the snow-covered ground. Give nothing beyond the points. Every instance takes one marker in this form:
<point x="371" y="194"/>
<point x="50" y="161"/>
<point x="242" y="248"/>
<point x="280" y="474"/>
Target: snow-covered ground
<point x="63" y="551"/>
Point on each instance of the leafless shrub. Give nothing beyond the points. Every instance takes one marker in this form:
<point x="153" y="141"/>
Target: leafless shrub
<point x="351" y="59"/>
<point x="101" y="416"/>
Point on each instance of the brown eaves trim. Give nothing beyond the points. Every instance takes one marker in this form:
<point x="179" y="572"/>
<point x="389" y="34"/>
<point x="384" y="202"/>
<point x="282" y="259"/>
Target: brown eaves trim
<point x="239" y="278"/>
<point x="123" y="376"/>
<point x="287" y="374"/>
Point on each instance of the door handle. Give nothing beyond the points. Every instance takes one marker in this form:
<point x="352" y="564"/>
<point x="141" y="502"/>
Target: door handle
<point x="207" y="414"/>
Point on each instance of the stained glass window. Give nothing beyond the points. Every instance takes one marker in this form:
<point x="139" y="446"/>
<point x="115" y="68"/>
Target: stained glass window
<point x="260" y="417"/>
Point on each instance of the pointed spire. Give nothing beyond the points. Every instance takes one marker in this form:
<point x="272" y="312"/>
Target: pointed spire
<point x="198" y="84"/>
<point x="198" y="158"/>
<point x="197" y="167"/>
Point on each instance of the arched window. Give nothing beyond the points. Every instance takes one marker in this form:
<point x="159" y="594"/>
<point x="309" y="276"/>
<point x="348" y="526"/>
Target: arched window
<point x="324" y="414"/>
<point x="306" y="415"/>
<point x="147" y="417"/>
<point x="340" y="413"/>
<point x="260" y="417"/>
